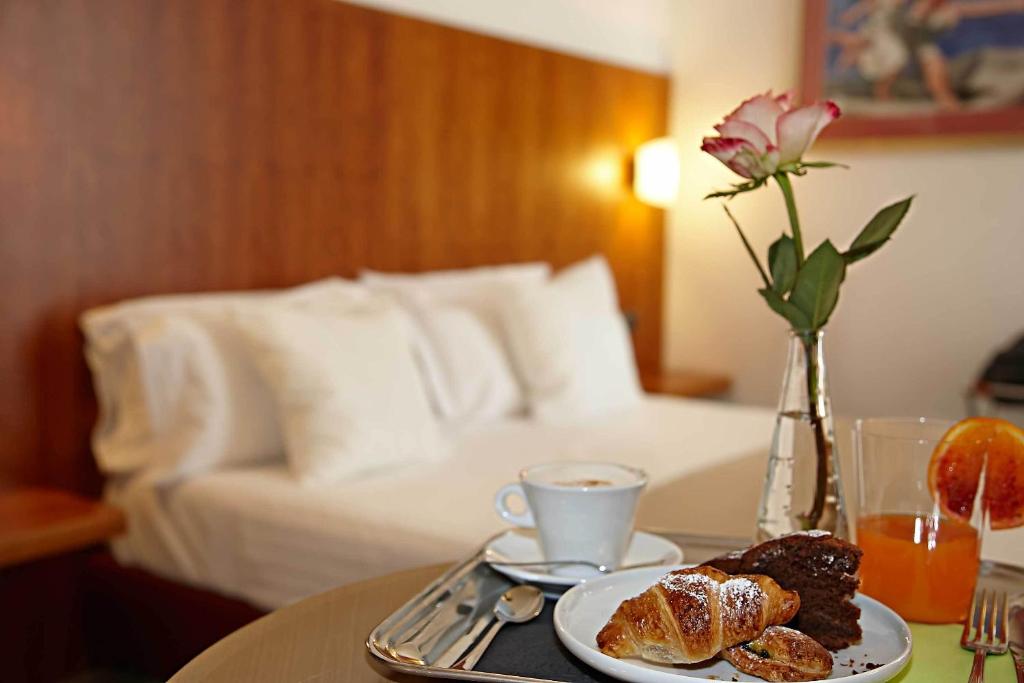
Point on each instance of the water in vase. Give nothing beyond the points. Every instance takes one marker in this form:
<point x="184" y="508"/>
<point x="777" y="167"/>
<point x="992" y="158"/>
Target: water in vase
<point x="801" y="488"/>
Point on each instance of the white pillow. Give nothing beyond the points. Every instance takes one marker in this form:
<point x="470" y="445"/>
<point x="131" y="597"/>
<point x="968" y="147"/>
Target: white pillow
<point x="464" y="362"/>
<point x="164" y="412"/>
<point x="571" y="345"/>
<point x="156" y="360"/>
<point x="481" y="288"/>
<point x="349" y="398"/>
<point x="461" y="345"/>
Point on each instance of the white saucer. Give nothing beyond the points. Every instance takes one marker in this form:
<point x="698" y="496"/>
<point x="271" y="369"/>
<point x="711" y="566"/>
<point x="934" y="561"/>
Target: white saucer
<point x="520" y="545"/>
<point x="583" y="610"/>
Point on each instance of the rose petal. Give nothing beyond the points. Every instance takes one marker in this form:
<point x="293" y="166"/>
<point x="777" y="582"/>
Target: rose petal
<point x="723" y="149"/>
<point x="785" y="100"/>
<point x="748" y="164"/>
<point x="746" y="131"/>
<point x="742" y="157"/>
<point x="770" y="160"/>
<point x="798" y="128"/>
<point x="761" y="111"/>
<point x="726" y="151"/>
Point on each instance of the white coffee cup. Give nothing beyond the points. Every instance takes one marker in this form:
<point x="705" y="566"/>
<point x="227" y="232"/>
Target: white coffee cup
<point x="581" y="510"/>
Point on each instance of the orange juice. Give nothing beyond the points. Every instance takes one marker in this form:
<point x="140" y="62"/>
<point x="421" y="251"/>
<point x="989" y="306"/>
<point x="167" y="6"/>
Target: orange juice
<point x="923" y="567"/>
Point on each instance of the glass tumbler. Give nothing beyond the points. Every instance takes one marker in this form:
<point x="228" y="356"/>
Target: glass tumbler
<point x="917" y="560"/>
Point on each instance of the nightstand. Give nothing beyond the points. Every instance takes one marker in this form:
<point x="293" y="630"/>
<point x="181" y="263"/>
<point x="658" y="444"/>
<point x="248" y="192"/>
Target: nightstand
<point x="686" y="383"/>
<point x="45" y="537"/>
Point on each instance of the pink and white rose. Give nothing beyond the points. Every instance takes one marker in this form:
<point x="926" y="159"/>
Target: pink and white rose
<point x="765" y="133"/>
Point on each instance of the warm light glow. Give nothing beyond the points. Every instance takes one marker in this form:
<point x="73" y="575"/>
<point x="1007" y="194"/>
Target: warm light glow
<point x="656" y="172"/>
<point x="603" y="171"/>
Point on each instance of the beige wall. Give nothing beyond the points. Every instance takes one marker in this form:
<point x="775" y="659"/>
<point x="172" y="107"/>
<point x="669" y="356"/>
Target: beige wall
<point x="916" y="321"/>
<point x="633" y="33"/>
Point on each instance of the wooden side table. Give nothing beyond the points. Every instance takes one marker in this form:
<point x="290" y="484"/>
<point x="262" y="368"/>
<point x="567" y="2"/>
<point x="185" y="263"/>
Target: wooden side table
<point x="37" y="523"/>
<point x="45" y="536"/>
<point x="686" y="383"/>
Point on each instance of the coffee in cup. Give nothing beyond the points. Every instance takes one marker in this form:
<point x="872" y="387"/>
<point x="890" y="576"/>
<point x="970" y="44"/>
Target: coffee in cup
<point x="581" y="510"/>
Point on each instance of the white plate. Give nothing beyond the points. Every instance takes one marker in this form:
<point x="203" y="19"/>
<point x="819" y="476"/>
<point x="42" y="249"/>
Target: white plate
<point x="582" y="611"/>
<point x="518" y="545"/>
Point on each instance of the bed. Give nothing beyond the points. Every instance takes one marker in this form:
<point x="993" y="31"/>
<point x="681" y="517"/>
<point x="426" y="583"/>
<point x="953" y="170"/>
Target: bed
<point x="256" y="534"/>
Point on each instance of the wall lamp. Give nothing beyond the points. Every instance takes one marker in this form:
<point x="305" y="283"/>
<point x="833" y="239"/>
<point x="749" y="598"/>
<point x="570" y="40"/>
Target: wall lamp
<point x="656" y="172"/>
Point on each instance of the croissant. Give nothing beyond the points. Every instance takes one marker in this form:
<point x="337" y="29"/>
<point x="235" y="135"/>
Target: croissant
<point x="693" y="614"/>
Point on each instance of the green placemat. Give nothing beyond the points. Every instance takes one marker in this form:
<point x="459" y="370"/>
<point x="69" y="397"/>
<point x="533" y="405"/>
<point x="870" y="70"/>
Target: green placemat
<point x="938" y="657"/>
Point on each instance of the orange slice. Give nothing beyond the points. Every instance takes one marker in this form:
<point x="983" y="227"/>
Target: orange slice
<point x="955" y="470"/>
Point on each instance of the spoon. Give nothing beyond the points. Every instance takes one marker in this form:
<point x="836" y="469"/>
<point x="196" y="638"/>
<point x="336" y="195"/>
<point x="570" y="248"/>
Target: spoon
<point x="518" y="604"/>
<point x="436" y="624"/>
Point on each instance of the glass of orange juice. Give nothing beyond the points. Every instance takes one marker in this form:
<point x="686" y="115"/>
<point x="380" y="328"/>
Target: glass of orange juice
<point x="918" y="560"/>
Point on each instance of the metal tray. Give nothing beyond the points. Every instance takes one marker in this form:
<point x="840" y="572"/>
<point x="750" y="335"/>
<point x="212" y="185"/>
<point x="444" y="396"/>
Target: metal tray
<point x="447" y="610"/>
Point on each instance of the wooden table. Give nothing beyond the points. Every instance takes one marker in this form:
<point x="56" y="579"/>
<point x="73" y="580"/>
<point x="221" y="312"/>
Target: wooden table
<point x="319" y="639"/>
<point x="323" y="638"/>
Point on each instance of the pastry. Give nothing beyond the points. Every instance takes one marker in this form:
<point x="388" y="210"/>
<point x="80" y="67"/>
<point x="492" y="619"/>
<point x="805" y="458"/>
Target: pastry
<point x="818" y="566"/>
<point x="693" y="614"/>
<point x="781" y="654"/>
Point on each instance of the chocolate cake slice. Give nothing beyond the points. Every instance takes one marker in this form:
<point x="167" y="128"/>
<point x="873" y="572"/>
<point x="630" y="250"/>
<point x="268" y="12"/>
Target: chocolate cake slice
<point x="818" y="566"/>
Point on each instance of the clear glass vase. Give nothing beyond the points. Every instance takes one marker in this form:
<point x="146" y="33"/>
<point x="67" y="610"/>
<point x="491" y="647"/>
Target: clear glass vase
<point x="802" y="489"/>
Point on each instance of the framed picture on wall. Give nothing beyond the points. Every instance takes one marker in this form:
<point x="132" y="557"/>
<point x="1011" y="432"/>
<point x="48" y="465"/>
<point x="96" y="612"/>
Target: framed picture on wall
<point x="917" y="67"/>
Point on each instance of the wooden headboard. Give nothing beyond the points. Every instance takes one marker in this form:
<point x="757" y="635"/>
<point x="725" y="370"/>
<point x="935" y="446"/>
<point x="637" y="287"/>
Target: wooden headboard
<point x="149" y="146"/>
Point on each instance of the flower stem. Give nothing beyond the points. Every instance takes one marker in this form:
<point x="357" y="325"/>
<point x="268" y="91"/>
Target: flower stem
<point x="794" y="220"/>
<point x="822" y="446"/>
<point x="750" y="250"/>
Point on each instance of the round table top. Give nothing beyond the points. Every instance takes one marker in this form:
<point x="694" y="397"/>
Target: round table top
<point x="318" y="639"/>
<point x="322" y="638"/>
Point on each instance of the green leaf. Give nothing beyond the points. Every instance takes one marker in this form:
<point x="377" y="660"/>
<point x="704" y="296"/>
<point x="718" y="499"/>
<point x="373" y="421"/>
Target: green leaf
<point x="822" y="164"/>
<point x="746" y="245"/>
<point x="800" y="167"/>
<point x="782" y="264"/>
<point x="797" y="319"/>
<point x="738" y="189"/>
<point x="817" y="284"/>
<point x="878" y="231"/>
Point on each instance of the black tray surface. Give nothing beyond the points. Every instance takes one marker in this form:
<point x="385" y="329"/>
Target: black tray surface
<point x="533" y="650"/>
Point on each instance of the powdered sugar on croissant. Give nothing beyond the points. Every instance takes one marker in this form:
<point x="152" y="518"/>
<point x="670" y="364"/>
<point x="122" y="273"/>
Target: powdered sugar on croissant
<point x="693" y="614"/>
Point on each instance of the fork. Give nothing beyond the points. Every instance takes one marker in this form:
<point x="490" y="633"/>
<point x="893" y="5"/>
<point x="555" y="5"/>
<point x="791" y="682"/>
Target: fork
<point x="989" y="627"/>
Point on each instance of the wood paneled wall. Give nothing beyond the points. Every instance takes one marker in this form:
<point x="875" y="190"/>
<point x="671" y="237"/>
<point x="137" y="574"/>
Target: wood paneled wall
<point x="154" y="146"/>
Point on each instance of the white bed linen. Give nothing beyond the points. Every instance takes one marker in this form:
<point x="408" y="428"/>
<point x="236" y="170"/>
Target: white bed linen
<point x="259" y="535"/>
